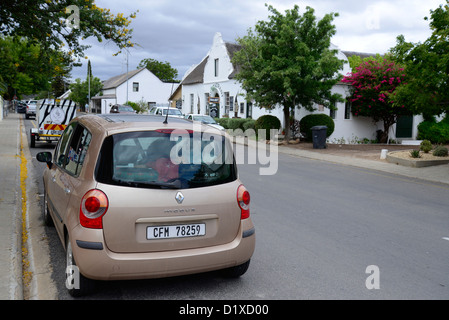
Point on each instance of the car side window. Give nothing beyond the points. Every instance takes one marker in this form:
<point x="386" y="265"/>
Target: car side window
<point x="77" y="150"/>
<point x="61" y="148"/>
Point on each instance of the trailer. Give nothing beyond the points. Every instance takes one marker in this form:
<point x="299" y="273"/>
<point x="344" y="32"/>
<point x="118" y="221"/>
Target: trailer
<point x="52" y="117"/>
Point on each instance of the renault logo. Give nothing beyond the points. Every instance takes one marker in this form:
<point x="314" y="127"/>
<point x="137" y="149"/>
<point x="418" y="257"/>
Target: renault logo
<point x="179" y="197"/>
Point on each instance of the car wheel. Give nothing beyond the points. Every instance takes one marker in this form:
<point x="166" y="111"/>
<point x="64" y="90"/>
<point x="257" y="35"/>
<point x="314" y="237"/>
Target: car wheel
<point x="236" y="271"/>
<point x="76" y="284"/>
<point x="32" y="140"/>
<point x="46" y="214"/>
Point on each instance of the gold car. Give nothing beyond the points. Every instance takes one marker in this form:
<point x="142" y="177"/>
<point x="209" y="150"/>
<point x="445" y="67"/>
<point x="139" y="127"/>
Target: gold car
<point x="132" y="197"/>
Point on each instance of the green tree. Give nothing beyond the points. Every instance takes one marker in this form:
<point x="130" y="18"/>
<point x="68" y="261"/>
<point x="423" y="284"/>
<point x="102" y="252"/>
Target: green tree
<point x="373" y="84"/>
<point x="162" y="70"/>
<point x="426" y="89"/>
<point x="58" y="23"/>
<point x="288" y="61"/>
<point x="28" y="68"/>
<point x="80" y="90"/>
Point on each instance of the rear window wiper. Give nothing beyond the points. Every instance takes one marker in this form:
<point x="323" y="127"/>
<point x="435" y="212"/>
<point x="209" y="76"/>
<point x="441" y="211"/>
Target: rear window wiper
<point x="176" y="184"/>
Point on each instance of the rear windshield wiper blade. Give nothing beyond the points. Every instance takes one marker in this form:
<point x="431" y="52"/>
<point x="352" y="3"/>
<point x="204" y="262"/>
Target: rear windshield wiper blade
<point x="162" y="185"/>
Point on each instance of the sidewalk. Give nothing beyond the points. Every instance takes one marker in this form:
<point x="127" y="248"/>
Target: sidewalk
<point x="12" y="133"/>
<point x="10" y="209"/>
<point x="438" y="174"/>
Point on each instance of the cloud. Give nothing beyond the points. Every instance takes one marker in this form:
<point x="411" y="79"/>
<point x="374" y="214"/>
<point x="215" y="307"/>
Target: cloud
<point x="181" y="32"/>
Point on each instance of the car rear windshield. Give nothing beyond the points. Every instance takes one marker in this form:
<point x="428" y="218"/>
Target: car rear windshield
<point x="176" y="159"/>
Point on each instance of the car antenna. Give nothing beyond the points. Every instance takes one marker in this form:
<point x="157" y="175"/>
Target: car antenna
<point x="168" y="107"/>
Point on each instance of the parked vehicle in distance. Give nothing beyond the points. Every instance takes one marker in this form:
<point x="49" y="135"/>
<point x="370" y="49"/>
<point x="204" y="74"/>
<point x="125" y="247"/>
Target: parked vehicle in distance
<point x="127" y="204"/>
<point x="120" y="108"/>
<point x="52" y="117"/>
<point x="31" y="109"/>
<point x="204" y="119"/>
<point x="162" y="111"/>
<point x="21" y="107"/>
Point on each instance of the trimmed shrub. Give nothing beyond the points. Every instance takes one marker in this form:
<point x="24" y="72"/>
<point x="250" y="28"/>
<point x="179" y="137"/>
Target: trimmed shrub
<point x="249" y="124"/>
<point x="267" y="122"/>
<point x="312" y="120"/>
<point x="236" y="123"/>
<point x="440" y="151"/>
<point x="435" y="132"/>
<point x="426" y="146"/>
<point x="223" y="122"/>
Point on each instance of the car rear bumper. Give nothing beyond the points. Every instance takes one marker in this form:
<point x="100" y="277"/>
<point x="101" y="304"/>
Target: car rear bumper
<point x="96" y="261"/>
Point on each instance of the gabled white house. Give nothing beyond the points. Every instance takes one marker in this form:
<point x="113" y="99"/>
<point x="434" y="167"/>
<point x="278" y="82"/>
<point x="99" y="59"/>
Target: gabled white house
<point x="136" y="85"/>
<point x="211" y="88"/>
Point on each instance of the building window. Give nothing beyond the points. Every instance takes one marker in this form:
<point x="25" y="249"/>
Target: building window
<point x="192" y="102"/>
<point x="249" y="110"/>
<point x="333" y="114"/>
<point x="216" y="66"/>
<point x="348" y="110"/>
<point x="135" y="87"/>
<point x="242" y="107"/>
<point x="231" y="104"/>
<point x="227" y="102"/>
<point x="206" y="99"/>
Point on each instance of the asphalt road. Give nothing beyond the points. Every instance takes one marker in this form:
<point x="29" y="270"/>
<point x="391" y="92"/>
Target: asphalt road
<point x="324" y="231"/>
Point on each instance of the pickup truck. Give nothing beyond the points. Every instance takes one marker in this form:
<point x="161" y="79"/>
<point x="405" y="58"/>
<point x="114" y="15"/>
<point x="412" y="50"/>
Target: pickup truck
<point x="31" y="109"/>
<point x="52" y="117"/>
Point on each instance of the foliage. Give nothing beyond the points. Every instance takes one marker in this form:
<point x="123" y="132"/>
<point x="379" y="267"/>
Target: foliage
<point x="435" y="132"/>
<point x="139" y="106"/>
<point x="287" y="61"/>
<point x="58" y="23"/>
<point x="236" y="123"/>
<point x="267" y="122"/>
<point x="427" y="88"/>
<point x="80" y="90"/>
<point x="312" y="120"/>
<point x="373" y="84"/>
<point x="425" y="146"/>
<point x="249" y="124"/>
<point x="28" y="68"/>
<point x="440" y="151"/>
<point x="162" y="70"/>
<point x="415" y="154"/>
<point x="223" y="122"/>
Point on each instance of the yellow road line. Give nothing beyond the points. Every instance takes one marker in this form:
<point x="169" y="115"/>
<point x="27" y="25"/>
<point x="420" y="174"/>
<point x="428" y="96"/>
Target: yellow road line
<point x="26" y="274"/>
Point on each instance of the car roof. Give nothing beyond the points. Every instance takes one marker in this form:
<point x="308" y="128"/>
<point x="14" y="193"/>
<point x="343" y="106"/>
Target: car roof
<point x="117" y="122"/>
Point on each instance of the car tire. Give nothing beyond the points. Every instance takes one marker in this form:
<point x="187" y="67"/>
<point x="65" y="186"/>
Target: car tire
<point x="237" y="271"/>
<point x="77" y="285"/>
<point x="46" y="213"/>
<point x="32" y="140"/>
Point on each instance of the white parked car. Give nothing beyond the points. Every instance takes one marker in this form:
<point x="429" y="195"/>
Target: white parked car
<point x="162" y="111"/>
<point x="204" y="119"/>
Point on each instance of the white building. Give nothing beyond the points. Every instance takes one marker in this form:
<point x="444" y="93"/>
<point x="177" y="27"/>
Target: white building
<point x="137" y="85"/>
<point x="211" y="88"/>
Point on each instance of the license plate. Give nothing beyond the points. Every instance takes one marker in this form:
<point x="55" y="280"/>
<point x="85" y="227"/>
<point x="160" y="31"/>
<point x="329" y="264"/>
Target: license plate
<point x="177" y="231"/>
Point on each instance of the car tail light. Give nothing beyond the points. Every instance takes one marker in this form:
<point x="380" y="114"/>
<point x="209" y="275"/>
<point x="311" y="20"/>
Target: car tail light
<point x="93" y="207"/>
<point x="243" y="200"/>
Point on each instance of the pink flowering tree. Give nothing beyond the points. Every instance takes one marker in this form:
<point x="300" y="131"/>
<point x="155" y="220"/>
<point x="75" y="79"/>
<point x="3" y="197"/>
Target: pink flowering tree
<point x="373" y="85"/>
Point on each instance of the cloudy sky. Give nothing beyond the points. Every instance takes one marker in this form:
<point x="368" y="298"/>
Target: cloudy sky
<point x="181" y="32"/>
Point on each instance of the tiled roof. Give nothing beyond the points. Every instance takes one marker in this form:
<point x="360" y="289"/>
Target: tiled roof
<point x="114" y="82"/>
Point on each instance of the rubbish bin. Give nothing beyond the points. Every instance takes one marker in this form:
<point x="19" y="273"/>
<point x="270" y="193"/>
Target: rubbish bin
<point x="319" y="137"/>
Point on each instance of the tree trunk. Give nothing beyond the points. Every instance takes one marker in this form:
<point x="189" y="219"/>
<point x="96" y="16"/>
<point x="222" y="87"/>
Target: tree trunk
<point x="286" y="123"/>
<point x="387" y="124"/>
